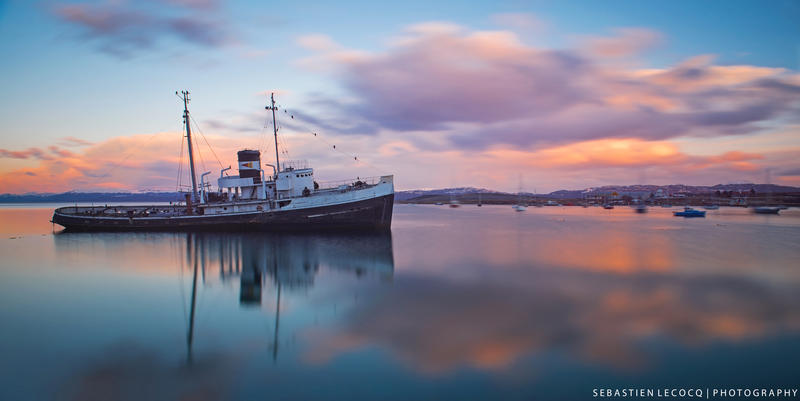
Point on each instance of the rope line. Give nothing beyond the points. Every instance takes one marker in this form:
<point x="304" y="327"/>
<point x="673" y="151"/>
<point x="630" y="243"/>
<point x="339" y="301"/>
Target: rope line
<point x="206" y="140"/>
<point x="180" y="166"/>
<point x="200" y="155"/>
<point x="317" y="135"/>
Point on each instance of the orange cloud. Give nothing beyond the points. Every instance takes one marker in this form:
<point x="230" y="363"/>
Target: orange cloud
<point x="610" y="152"/>
<point x="122" y="163"/>
<point x="432" y="327"/>
<point x="417" y="160"/>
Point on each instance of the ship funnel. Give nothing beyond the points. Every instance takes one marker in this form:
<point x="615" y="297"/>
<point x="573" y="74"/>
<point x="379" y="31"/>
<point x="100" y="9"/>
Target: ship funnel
<point x="250" y="164"/>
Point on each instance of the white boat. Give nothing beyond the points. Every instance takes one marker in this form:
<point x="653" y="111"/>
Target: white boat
<point x="520" y="206"/>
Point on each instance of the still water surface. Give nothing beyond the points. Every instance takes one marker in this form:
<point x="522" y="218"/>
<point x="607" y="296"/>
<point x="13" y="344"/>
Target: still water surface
<point x="468" y="303"/>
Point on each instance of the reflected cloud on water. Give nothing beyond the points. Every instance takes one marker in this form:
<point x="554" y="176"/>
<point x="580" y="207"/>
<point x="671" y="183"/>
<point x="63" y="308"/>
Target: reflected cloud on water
<point x="436" y="326"/>
<point x="494" y="300"/>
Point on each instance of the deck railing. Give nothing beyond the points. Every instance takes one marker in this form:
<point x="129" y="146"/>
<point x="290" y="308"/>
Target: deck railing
<point x="332" y="185"/>
<point x="124" y="211"/>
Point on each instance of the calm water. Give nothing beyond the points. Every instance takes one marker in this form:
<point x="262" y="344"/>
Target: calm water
<point x="468" y="303"/>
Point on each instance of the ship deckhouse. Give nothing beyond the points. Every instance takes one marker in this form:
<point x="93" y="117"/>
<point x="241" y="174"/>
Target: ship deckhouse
<point x="252" y="183"/>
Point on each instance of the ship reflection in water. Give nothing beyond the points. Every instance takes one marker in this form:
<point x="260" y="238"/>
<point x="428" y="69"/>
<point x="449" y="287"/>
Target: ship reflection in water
<point x="288" y="262"/>
<point x="466" y="303"/>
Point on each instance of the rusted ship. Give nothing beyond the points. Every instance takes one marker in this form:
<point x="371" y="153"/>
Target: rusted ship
<point x="287" y="198"/>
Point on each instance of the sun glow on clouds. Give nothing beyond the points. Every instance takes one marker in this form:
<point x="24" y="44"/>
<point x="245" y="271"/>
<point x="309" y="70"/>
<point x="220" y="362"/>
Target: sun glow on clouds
<point x="444" y="105"/>
<point x="486" y="97"/>
<point x="123" y="163"/>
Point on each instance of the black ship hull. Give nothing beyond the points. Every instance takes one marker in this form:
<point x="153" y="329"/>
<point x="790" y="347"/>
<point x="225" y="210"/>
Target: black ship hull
<point x="373" y="214"/>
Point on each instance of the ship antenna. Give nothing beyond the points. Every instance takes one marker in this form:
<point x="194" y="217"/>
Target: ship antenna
<point x="185" y="97"/>
<point x="275" y="131"/>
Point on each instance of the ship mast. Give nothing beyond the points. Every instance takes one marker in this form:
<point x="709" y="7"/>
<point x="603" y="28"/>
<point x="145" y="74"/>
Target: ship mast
<point x="185" y="98"/>
<point x="275" y="131"/>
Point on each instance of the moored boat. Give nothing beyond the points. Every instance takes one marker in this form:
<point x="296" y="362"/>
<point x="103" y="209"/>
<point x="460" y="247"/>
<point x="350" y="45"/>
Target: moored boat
<point x="690" y="212"/>
<point x="454" y="203"/>
<point x="520" y="206"/>
<point x="766" y="210"/>
<point x="289" y="199"/>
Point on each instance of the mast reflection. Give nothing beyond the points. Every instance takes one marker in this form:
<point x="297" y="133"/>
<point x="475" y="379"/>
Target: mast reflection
<point x="190" y="331"/>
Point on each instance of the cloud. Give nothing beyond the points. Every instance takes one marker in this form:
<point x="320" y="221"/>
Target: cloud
<point x="441" y="78"/>
<point x="130" y="371"/>
<point x="122" y="163"/>
<point x="233" y="127"/>
<point x="73" y="142"/>
<point x="206" y="33"/>
<point x="122" y="30"/>
<point x="317" y="42"/>
<point x="481" y="89"/>
<point x="626" y="42"/>
<point x="29" y="153"/>
<point x="196" y="4"/>
<point x="790" y="172"/>
<point x="36" y="153"/>
<point x="60" y="152"/>
<point x="524" y="22"/>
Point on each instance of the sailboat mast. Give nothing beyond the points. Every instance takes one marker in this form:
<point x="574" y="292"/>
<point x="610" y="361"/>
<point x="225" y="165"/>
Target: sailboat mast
<point x="274" y="131"/>
<point x="186" y="121"/>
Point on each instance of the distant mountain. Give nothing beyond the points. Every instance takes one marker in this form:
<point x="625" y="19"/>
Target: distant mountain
<point x="419" y="194"/>
<point x="96" y="197"/>
<point x="638" y="190"/>
<point x="632" y="190"/>
<point x="406" y="195"/>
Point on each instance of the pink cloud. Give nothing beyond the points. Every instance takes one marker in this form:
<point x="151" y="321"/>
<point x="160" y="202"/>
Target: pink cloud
<point x="626" y="42"/>
<point x="35" y="153"/>
<point x="481" y="89"/>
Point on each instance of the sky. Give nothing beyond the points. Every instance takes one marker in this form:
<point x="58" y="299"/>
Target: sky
<point x="540" y="95"/>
